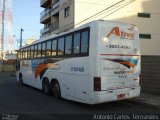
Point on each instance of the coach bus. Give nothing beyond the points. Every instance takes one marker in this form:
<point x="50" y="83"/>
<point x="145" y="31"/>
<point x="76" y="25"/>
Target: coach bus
<point x="94" y="63"/>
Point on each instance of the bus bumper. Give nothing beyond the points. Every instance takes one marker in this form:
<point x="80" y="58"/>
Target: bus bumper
<point x="114" y="95"/>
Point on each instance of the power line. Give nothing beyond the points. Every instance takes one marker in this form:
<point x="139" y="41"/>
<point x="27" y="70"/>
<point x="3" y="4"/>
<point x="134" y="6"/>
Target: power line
<point x="118" y="9"/>
<point x="100" y="12"/>
<point x="91" y="3"/>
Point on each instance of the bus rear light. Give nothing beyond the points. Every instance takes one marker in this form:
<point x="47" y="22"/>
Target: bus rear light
<point x="97" y="84"/>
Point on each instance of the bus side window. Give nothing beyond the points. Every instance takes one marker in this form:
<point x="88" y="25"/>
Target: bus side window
<point x="35" y="51"/>
<point x="68" y="45"/>
<point x="20" y="54"/>
<point x="76" y="46"/>
<point x="39" y="50"/>
<point x="29" y="53"/>
<point x="61" y="46"/>
<point x="32" y="51"/>
<point x="43" y="49"/>
<point x="48" y="48"/>
<point x="25" y="54"/>
<point x="84" y="42"/>
<point x="54" y="47"/>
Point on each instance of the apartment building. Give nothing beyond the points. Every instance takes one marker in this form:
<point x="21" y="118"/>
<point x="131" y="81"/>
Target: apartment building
<point x="62" y="15"/>
<point x="57" y="16"/>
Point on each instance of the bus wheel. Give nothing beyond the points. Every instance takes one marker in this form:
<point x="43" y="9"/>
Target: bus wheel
<point x="46" y="87"/>
<point x="20" y="79"/>
<point x="55" y="90"/>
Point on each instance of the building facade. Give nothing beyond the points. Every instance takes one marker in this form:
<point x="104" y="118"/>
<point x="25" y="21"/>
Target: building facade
<point x="62" y="15"/>
<point x="58" y="16"/>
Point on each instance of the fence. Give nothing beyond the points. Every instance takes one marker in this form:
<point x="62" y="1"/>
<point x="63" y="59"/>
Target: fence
<point x="8" y="66"/>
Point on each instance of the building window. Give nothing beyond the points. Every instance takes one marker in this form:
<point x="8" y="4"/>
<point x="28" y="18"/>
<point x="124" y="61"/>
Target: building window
<point x="66" y="12"/>
<point x="145" y="15"/>
<point x="145" y="36"/>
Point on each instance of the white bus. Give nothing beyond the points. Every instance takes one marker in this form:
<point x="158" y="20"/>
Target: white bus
<point x="95" y="63"/>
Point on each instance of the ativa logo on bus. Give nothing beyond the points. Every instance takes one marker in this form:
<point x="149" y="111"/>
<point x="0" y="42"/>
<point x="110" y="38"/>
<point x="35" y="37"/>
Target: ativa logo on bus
<point x="125" y="35"/>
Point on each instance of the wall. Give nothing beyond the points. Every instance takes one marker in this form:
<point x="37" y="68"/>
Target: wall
<point x="87" y="8"/>
<point x="151" y="74"/>
<point x="68" y="22"/>
<point x="0" y="67"/>
<point x="8" y="66"/>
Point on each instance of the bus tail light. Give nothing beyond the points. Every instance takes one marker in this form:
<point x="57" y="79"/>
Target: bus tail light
<point x="97" y="84"/>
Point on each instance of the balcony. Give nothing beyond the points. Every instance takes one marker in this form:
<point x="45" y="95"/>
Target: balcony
<point x="54" y="26"/>
<point x="45" y="16"/>
<point x="55" y="5"/>
<point x="45" y="31"/>
<point x="45" y="3"/>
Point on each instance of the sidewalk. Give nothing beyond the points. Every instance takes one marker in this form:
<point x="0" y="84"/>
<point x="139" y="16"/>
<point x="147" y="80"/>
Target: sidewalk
<point x="148" y="99"/>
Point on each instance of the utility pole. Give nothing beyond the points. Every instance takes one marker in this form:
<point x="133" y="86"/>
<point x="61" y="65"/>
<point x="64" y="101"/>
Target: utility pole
<point x="2" y="32"/>
<point x="21" y="37"/>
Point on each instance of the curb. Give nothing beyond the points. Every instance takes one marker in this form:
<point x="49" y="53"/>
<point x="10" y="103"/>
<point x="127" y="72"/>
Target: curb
<point x="144" y="102"/>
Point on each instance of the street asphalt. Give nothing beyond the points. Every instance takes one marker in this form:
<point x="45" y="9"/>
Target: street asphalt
<point x="26" y="101"/>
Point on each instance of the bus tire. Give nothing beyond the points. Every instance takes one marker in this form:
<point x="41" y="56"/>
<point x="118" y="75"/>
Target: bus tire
<point x="46" y="87"/>
<point x="20" y="79"/>
<point x="55" y="89"/>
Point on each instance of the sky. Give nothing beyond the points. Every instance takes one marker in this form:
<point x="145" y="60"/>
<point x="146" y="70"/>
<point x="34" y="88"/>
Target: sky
<point x="26" y="15"/>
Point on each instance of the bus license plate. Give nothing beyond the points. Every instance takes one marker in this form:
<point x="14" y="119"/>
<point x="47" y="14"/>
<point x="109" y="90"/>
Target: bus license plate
<point x="120" y="96"/>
